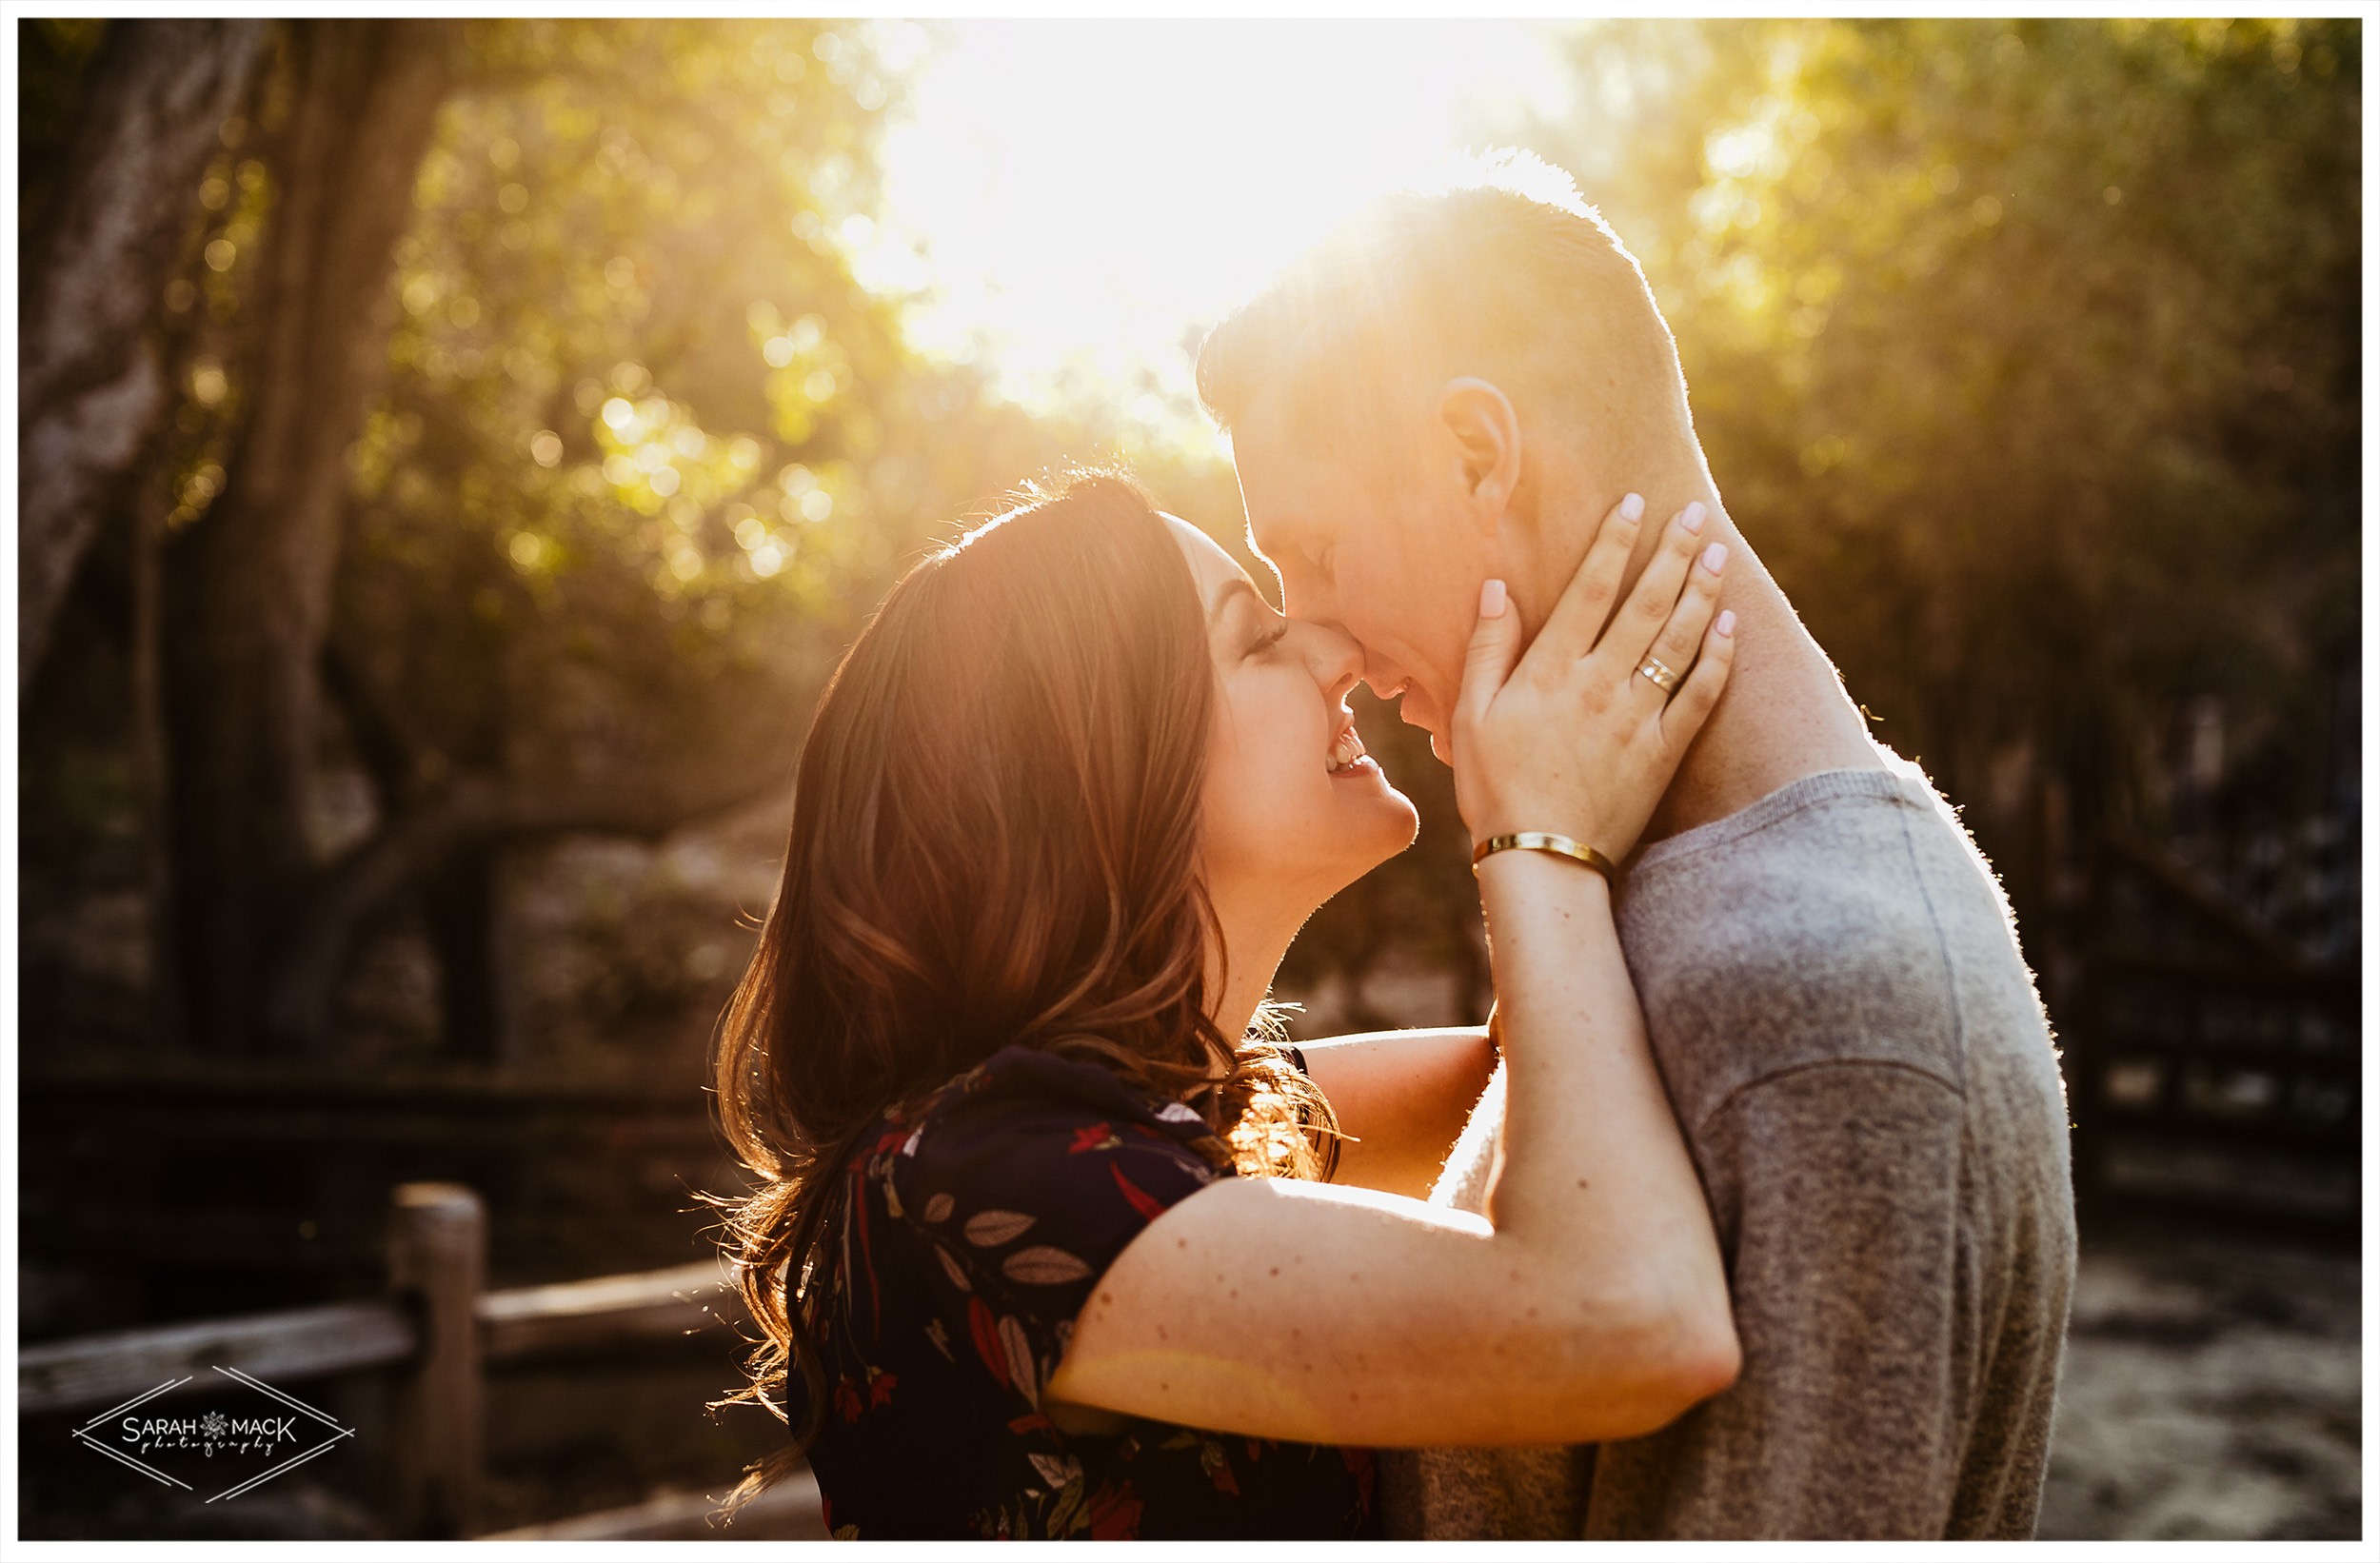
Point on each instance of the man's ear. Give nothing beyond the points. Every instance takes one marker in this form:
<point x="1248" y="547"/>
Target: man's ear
<point x="1485" y="446"/>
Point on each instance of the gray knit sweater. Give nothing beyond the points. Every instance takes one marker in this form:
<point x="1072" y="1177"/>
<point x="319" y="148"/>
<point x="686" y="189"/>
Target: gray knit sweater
<point x="1833" y="993"/>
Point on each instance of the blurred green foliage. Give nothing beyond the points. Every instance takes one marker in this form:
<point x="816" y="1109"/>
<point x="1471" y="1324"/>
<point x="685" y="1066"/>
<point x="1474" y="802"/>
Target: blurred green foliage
<point x="2027" y="353"/>
<point x="647" y="451"/>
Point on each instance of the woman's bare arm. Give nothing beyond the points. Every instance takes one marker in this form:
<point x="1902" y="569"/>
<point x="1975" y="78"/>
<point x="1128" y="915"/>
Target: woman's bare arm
<point x="1401" y="1098"/>
<point x="1591" y="1302"/>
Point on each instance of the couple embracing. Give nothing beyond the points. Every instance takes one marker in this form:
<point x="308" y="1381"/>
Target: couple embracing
<point x="1748" y="1214"/>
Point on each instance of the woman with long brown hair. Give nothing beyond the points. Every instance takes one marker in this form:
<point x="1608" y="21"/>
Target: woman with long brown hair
<point x="1051" y="1235"/>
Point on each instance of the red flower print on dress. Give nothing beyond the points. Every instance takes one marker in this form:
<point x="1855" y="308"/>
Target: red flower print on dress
<point x="847" y="1401"/>
<point x="1092" y="1136"/>
<point x="879" y="1388"/>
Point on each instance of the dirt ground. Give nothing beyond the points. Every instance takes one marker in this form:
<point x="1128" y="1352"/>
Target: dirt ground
<point x="2213" y="1388"/>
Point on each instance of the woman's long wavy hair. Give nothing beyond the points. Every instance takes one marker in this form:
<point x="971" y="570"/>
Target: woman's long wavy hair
<point x="995" y="842"/>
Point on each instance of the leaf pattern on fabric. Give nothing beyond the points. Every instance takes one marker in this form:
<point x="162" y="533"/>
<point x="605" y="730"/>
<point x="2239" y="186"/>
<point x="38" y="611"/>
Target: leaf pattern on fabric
<point x="984" y="1330"/>
<point x="1147" y="1205"/>
<point x="991" y="1228"/>
<point x="1057" y="1470"/>
<point x="1218" y="1467"/>
<point x="1043" y="1266"/>
<point x="1023" y="1374"/>
<point x="1115" y="1513"/>
<point x="1023" y="1179"/>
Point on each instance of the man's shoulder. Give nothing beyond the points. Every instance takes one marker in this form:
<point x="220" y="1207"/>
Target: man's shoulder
<point x="1814" y="888"/>
<point x="1810" y="929"/>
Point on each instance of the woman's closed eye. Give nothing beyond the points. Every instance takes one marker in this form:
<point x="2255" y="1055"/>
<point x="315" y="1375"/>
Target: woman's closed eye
<point x="1270" y="633"/>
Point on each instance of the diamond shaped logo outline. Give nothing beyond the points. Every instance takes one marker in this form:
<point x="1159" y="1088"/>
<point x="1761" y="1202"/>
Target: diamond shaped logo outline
<point x="340" y="1432"/>
<point x="83" y="1436"/>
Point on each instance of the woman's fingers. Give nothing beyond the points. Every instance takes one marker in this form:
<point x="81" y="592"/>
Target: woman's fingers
<point x="1680" y="637"/>
<point x="1654" y="597"/>
<point x="1495" y="647"/>
<point x="1692" y="706"/>
<point x="1577" y="617"/>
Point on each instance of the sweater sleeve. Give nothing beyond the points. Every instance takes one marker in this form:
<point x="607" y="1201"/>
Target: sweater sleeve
<point x="1836" y="1189"/>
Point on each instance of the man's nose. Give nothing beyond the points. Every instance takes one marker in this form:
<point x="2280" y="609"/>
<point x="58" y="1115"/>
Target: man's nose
<point x="1336" y="657"/>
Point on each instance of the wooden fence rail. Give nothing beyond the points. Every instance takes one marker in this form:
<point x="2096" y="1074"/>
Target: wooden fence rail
<point x="437" y="1321"/>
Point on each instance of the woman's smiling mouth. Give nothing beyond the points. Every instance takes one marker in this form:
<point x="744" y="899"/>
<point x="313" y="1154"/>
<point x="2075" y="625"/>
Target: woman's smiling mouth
<point x="1347" y="756"/>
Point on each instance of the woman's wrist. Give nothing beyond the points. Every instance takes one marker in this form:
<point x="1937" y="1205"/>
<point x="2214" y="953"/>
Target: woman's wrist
<point x="1530" y="874"/>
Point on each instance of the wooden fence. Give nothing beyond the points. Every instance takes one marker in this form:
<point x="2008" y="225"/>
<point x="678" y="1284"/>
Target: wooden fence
<point x="2210" y="1065"/>
<point x="442" y="1329"/>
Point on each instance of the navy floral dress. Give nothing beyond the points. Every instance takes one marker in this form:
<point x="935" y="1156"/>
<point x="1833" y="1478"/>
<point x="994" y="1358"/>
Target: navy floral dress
<point x="970" y="1232"/>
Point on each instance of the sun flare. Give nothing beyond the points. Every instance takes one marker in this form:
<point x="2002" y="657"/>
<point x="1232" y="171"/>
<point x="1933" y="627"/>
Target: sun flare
<point x="1085" y="197"/>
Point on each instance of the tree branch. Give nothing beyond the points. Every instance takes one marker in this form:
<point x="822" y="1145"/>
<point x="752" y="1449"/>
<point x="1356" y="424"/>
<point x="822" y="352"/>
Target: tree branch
<point x="474" y="809"/>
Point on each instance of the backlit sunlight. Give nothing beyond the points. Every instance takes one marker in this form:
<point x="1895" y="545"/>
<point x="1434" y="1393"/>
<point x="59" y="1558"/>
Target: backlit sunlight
<point x="1084" y="197"/>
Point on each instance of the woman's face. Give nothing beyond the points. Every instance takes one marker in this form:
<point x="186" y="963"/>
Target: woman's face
<point x="1293" y="812"/>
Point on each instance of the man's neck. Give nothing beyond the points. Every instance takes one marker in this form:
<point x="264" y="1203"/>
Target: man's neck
<point x="1784" y="715"/>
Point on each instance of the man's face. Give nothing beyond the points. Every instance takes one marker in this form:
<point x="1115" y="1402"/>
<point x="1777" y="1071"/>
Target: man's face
<point x="1377" y="544"/>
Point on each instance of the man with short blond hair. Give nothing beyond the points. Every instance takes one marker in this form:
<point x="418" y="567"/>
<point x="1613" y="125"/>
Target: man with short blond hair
<point x="1456" y="386"/>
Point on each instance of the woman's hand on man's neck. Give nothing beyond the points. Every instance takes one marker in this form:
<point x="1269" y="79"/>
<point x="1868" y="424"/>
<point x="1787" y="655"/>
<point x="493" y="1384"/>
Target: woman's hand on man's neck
<point x="1785" y="714"/>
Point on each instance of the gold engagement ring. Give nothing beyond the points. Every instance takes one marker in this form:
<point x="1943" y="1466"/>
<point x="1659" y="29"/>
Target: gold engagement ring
<point x="1664" y="678"/>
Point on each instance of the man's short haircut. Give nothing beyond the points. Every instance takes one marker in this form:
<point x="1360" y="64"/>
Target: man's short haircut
<point x="1503" y="272"/>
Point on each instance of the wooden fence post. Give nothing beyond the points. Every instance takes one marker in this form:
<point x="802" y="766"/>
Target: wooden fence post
<point x="437" y="1264"/>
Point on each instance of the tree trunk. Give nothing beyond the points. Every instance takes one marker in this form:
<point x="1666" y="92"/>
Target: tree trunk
<point x="249" y="586"/>
<point x="461" y="904"/>
<point x="90" y="392"/>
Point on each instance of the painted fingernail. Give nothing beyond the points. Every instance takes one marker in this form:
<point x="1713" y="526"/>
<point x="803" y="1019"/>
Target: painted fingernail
<point x="1632" y="508"/>
<point x="1714" y="557"/>
<point x="1691" y="517"/>
<point x="1726" y="623"/>
<point x="1491" y="599"/>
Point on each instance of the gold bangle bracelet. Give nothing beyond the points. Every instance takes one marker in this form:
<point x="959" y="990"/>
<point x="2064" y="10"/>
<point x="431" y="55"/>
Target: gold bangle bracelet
<point x="1545" y="840"/>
